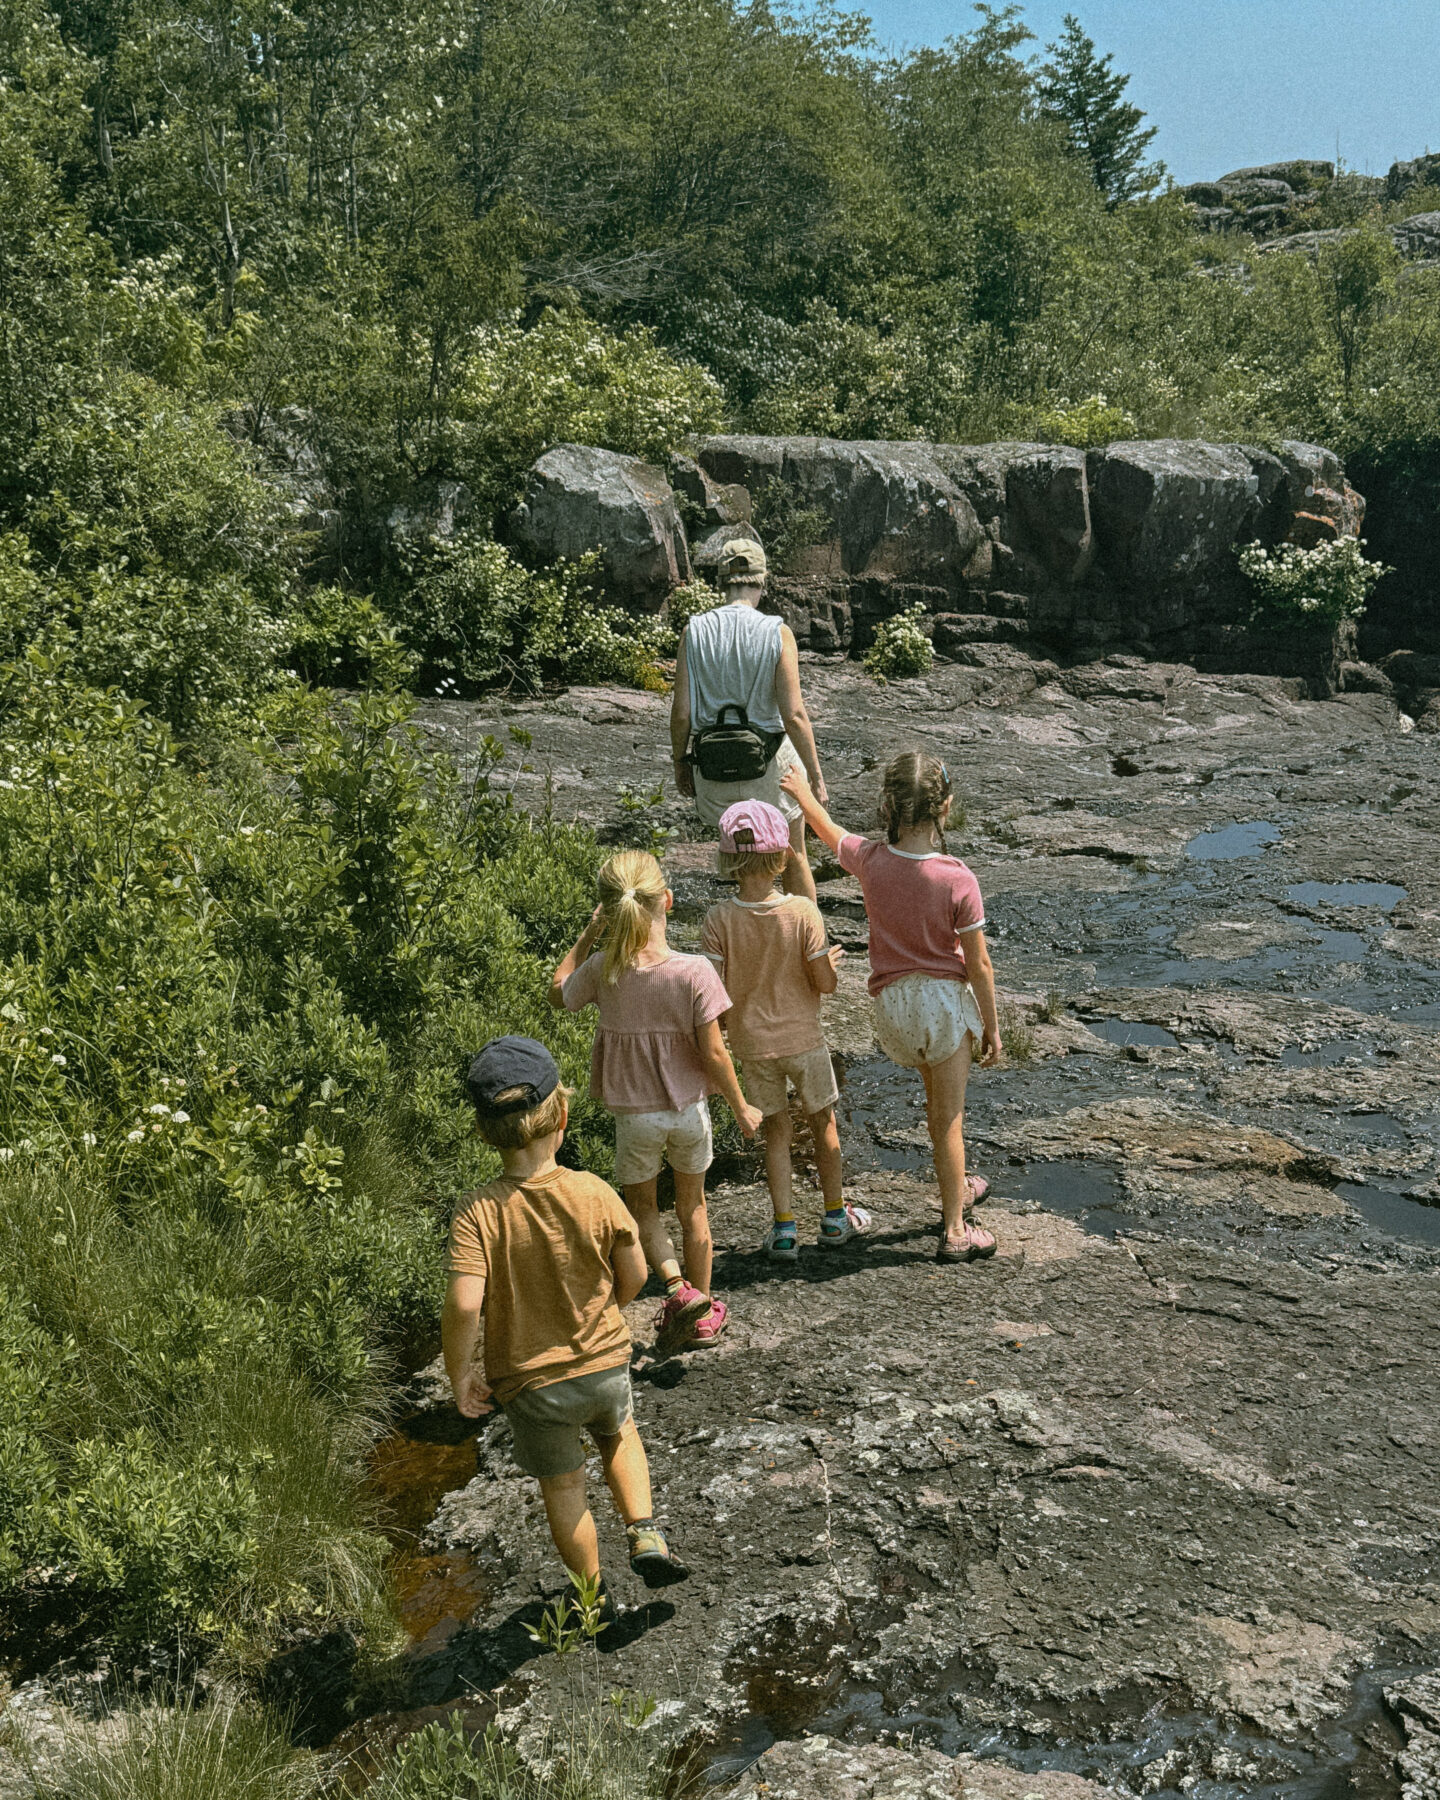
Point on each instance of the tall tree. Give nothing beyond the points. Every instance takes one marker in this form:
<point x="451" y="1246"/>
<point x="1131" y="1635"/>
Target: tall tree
<point x="1082" y="91"/>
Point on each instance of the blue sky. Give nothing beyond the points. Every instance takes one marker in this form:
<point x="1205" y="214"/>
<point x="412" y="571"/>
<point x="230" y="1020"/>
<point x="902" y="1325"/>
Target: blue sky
<point x="1235" y="82"/>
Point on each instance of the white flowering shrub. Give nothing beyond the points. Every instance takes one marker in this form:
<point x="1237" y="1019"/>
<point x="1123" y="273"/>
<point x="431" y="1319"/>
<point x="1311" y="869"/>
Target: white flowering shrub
<point x="570" y="380"/>
<point x="1329" y="583"/>
<point x="689" y="598"/>
<point x="901" y="646"/>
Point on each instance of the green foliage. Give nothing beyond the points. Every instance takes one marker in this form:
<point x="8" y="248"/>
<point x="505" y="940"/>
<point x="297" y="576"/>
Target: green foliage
<point x="568" y="1624"/>
<point x="476" y="615"/>
<point x="900" y="647"/>
<point x="1093" y="422"/>
<point x="786" y="525"/>
<point x="689" y="598"/>
<point x="189" y="1751"/>
<point x="1085" y="95"/>
<point x="234" y="1014"/>
<point x="1331" y="582"/>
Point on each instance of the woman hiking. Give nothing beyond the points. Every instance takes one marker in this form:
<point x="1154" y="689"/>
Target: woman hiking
<point x="737" y="691"/>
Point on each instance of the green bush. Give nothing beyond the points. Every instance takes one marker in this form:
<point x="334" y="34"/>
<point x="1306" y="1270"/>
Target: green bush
<point x="234" y="1013"/>
<point x="685" y="601"/>
<point x="900" y="647"/>
<point x="1094" y="422"/>
<point x="475" y="615"/>
<point x="1329" y="583"/>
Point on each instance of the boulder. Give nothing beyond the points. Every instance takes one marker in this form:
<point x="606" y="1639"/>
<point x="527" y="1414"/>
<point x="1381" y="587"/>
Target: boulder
<point x="889" y="509"/>
<point x="1254" y="190"/>
<point x="1203" y="193"/>
<point x="1322" y="502"/>
<point x="1033" y="499"/>
<point x="578" y="498"/>
<point x="1170" y="510"/>
<point x="1301" y="173"/>
<point x="1418" y="237"/>
<point x="1365" y="678"/>
<point x="1420" y="171"/>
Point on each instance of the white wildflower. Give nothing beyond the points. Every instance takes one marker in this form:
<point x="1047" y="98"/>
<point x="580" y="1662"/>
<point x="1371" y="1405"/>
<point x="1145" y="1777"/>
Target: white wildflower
<point x="158" y="1107"/>
<point x="181" y="1118"/>
<point x="58" y="1059"/>
<point x="135" y="1137"/>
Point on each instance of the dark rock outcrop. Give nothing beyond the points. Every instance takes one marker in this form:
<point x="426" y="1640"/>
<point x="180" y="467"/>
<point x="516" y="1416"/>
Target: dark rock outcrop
<point x="579" y="498"/>
<point x="1404" y="177"/>
<point x="892" y="512"/>
<point x="1168" y="509"/>
<point x="431" y="513"/>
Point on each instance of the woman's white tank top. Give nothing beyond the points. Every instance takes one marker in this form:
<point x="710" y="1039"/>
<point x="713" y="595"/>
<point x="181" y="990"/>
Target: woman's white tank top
<point x="732" y="653"/>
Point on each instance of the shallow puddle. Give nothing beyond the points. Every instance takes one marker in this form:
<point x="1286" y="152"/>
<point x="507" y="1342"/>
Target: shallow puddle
<point x="1161" y="1752"/>
<point x="1398" y="1217"/>
<point x="412" y="1470"/>
<point x="1127" y="1031"/>
<point x="1383" y="894"/>
<point x="1233" y="841"/>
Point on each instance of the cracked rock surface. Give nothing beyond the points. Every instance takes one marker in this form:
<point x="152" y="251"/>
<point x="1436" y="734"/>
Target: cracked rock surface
<point x="1148" y="1501"/>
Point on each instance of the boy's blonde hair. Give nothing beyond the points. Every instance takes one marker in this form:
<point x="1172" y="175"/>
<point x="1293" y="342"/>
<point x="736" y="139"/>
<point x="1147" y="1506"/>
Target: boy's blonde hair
<point x="632" y="891"/>
<point x="514" y="1130"/>
<point x="753" y="862"/>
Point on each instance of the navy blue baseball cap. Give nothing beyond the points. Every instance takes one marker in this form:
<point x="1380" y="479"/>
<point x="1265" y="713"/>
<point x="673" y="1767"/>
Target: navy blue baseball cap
<point x="506" y="1064"/>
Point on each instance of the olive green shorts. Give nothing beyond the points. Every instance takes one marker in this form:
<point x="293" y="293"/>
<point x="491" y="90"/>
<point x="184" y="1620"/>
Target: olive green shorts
<point x="546" y="1422"/>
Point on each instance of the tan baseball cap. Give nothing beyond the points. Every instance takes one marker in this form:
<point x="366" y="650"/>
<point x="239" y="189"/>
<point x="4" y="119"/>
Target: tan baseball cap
<point x="742" y="559"/>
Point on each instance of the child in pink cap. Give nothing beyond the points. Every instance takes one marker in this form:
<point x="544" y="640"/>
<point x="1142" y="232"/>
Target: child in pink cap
<point x="771" y="954"/>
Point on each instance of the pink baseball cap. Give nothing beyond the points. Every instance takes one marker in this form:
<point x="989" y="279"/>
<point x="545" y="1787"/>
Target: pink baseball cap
<point x="764" y="827"/>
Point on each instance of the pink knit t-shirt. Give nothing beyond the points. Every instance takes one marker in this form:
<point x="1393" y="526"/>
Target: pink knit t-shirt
<point x="645" y="1057"/>
<point x="917" y="905"/>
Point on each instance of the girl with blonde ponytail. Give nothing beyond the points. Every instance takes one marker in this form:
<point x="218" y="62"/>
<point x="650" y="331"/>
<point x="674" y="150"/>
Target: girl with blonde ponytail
<point x="658" y="1056"/>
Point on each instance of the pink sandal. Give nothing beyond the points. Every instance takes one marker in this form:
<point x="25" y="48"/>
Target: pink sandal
<point x="706" y="1332"/>
<point x="974" y="1246"/>
<point x="979" y="1187"/>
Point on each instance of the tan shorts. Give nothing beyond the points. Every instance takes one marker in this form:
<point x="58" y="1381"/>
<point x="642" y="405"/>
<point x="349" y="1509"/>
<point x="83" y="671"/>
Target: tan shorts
<point x="925" y="1019"/>
<point x="712" y="797"/>
<point x="811" y="1072"/>
<point x="546" y="1422"/>
<point x="644" y="1140"/>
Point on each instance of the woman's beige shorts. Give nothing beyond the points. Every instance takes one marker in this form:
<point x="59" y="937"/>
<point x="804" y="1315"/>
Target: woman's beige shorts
<point x="712" y="797"/>
<point x="644" y="1140"/>
<point x="925" y="1019"/>
<point x="811" y="1072"/>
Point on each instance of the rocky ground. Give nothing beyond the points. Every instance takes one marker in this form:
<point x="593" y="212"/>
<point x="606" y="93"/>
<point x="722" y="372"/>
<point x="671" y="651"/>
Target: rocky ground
<point x="1148" y="1503"/>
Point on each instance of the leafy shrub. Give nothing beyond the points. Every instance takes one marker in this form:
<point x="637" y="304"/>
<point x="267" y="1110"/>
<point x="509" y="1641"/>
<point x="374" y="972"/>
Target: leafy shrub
<point x="569" y="379"/>
<point x="786" y="525"/>
<point x="341" y="637"/>
<point x="477" y="615"/>
<point x="1329" y="583"/>
<point x="689" y="598"/>
<point x="1091" y="424"/>
<point x="234" y="1018"/>
<point x="901" y="646"/>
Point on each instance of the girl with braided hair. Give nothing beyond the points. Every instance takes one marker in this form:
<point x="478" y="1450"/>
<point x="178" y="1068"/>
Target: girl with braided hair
<point x="658" y="1055"/>
<point x="931" y="983"/>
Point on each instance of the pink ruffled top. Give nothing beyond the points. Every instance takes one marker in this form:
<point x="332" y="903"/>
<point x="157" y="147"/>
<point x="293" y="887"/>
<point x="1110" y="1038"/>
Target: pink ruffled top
<point x="646" y="1058"/>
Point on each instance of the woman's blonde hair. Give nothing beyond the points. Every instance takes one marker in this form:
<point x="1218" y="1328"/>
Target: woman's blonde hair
<point x="913" y="791"/>
<point x="632" y="891"/>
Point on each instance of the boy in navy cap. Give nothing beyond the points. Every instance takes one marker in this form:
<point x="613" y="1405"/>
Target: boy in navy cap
<point x="541" y="1262"/>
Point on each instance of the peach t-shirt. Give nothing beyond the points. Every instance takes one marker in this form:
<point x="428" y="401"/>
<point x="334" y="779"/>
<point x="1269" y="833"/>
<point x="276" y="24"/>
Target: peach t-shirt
<point x="763" y="950"/>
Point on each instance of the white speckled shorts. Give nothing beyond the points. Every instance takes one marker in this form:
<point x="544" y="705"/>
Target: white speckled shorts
<point x="924" y="1019"/>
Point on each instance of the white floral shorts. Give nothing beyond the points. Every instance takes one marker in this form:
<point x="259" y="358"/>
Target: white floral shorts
<point x="924" y="1019"/>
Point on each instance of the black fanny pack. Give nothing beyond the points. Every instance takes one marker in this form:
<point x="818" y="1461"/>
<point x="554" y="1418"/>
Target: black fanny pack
<point x="734" y="751"/>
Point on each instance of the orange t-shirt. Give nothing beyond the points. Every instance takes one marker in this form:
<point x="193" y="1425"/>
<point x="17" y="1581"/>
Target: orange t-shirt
<point x="543" y="1247"/>
<point x="763" y="950"/>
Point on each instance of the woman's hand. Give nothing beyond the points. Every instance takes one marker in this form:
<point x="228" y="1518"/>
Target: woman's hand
<point x="684" y="778"/>
<point x="749" y="1119"/>
<point x="991" y="1049"/>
